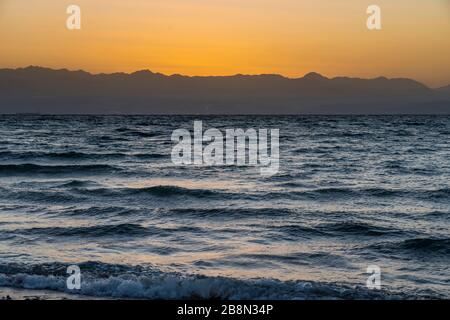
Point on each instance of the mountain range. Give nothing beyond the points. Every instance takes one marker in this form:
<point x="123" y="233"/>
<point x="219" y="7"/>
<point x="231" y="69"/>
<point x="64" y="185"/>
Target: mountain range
<point x="48" y="91"/>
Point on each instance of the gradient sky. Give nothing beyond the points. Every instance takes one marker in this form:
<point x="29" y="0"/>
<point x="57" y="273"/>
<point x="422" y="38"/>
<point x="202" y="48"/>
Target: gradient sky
<point x="222" y="37"/>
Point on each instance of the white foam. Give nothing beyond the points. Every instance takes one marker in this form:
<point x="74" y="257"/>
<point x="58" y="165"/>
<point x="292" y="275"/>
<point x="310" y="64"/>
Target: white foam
<point x="174" y="286"/>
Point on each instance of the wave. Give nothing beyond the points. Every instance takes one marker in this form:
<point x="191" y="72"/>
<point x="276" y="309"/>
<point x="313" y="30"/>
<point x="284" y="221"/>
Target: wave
<point x="424" y="247"/>
<point x="375" y="192"/>
<point x="430" y="245"/>
<point x="327" y="230"/>
<point x="76" y="184"/>
<point x="139" y="282"/>
<point x="443" y="193"/>
<point x="73" y="155"/>
<point x="358" y="229"/>
<point x="30" y="169"/>
<point x="98" y="211"/>
<point x="70" y="155"/>
<point x="148" y="156"/>
<point x="292" y="232"/>
<point x="343" y="193"/>
<point x="47" y="196"/>
<point x="157" y="191"/>
<point x="137" y="133"/>
<point x="167" y="191"/>
<point x="438" y="215"/>
<point x="52" y="197"/>
<point x="329" y="193"/>
<point x="127" y="229"/>
<point x="81" y="186"/>
<point x="304" y="258"/>
<point x="79" y="191"/>
<point x="112" y="230"/>
<point x="231" y="213"/>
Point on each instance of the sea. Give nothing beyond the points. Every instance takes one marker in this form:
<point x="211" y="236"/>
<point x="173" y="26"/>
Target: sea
<point x="102" y="193"/>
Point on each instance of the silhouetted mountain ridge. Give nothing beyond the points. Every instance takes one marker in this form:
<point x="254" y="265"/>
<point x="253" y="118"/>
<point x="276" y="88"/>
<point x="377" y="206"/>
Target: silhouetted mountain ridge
<point x="43" y="90"/>
<point x="445" y="89"/>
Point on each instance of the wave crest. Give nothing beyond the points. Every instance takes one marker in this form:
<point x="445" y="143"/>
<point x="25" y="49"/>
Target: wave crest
<point x="118" y="281"/>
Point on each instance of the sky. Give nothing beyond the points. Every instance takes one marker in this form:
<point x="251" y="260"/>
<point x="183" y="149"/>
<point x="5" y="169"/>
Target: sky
<point x="224" y="37"/>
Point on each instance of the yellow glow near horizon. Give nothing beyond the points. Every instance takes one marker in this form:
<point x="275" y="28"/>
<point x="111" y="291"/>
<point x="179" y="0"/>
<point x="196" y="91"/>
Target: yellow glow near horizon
<point x="223" y="37"/>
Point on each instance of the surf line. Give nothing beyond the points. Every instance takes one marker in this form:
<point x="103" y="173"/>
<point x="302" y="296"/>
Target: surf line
<point x="239" y="147"/>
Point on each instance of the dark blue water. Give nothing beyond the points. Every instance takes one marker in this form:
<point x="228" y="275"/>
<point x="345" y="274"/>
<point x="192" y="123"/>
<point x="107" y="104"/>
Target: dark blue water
<point x="102" y="192"/>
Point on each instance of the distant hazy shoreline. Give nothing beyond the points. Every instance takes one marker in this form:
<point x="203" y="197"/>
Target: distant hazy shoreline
<point x="47" y="91"/>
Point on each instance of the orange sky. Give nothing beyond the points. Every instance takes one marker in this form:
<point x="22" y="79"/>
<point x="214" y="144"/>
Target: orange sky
<point x="221" y="37"/>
